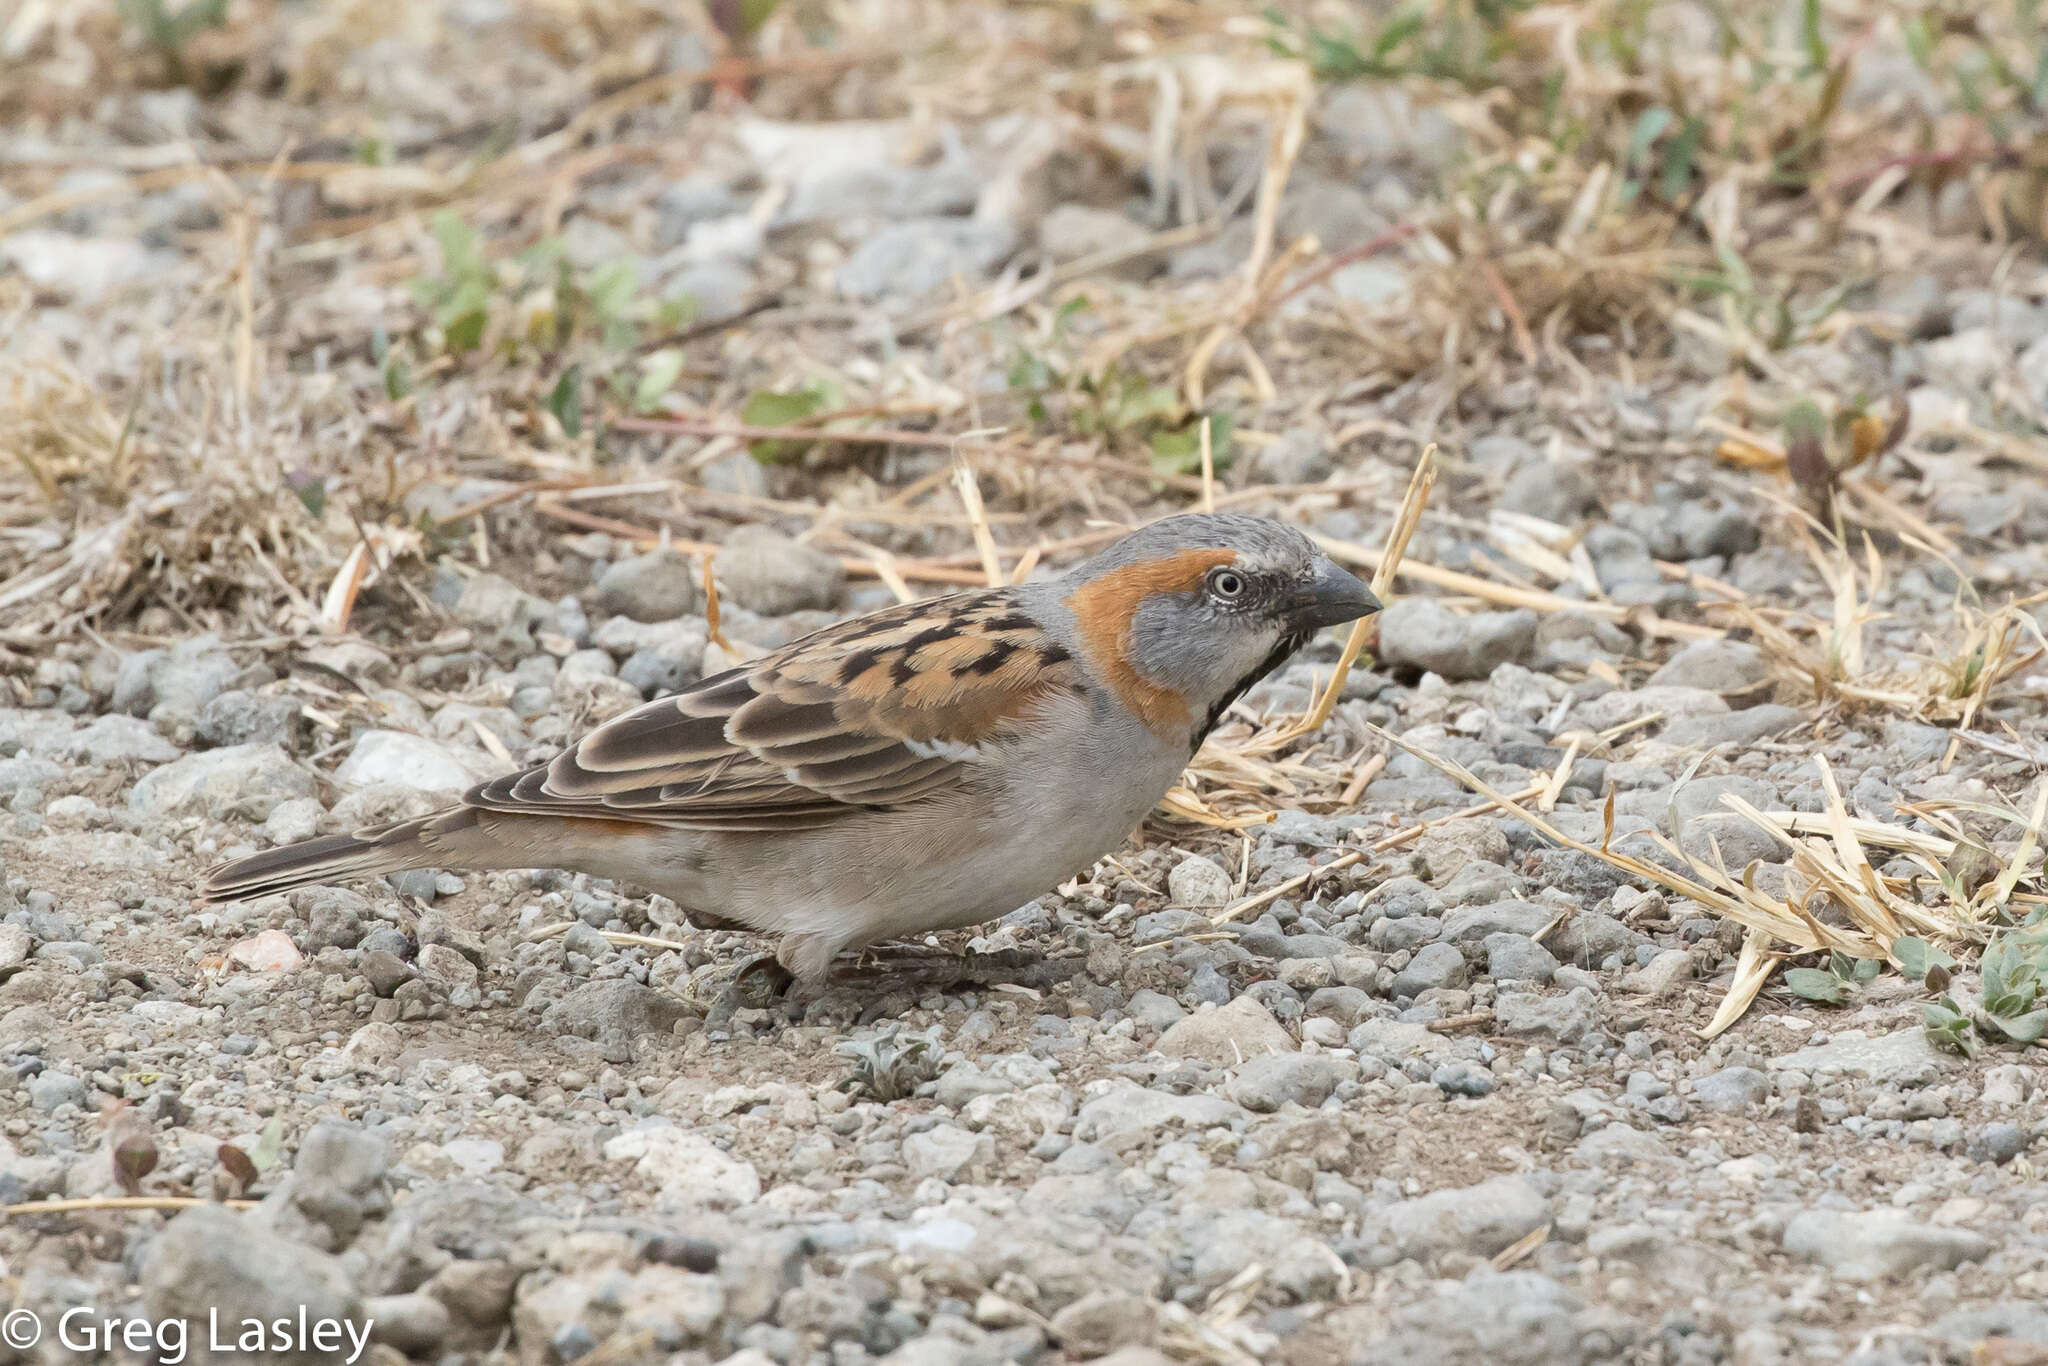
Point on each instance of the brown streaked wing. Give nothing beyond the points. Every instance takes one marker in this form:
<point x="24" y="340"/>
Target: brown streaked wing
<point x="873" y="712"/>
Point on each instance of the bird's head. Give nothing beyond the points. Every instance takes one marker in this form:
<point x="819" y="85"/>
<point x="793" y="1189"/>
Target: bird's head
<point x="1185" y="614"/>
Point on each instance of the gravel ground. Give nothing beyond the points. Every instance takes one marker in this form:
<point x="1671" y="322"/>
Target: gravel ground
<point x="1445" y="1105"/>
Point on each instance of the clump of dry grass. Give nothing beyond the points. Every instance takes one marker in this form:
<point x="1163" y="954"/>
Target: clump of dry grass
<point x="1836" y="901"/>
<point x="1950" y="683"/>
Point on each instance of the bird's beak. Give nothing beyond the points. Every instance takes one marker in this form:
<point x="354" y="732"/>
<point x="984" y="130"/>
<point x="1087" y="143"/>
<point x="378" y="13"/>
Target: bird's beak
<point x="1332" y="596"/>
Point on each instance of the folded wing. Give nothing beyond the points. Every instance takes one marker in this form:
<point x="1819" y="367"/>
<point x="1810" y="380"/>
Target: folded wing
<point x="871" y="713"/>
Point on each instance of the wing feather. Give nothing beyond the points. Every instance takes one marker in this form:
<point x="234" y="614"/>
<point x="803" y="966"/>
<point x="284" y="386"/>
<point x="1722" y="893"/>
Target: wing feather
<point x="876" y="712"/>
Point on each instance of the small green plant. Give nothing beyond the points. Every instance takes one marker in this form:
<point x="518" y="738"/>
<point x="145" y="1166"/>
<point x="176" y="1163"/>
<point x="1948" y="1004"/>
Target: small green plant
<point x="169" y="30"/>
<point x="1118" y="405"/>
<point x="1837" y="982"/>
<point x="2011" y="1005"/>
<point x="458" y="300"/>
<point x="890" y="1065"/>
<point x="1460" y="41"/>
<point x="786" y="408"/>
<point x="537" y="299"/>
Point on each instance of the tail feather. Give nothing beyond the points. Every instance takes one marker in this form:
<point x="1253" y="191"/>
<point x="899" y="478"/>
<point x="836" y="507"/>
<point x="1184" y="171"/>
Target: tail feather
<point x="334" y="858"/>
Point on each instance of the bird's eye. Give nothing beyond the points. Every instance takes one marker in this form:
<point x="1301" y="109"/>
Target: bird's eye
<point x="1226" y="584"/>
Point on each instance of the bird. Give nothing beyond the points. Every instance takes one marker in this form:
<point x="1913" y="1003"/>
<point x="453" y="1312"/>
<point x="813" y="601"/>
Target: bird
<point x="929" y="766"/>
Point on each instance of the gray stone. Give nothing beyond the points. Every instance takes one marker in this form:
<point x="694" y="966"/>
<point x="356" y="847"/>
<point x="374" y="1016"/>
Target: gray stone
<point x="1124" y="1114"/>
<point x="1378" y="122"/>
<point x="1560" y="493"/>
<point x="1589" y="938"/>
<point x="1265" y="1084"/>
<point x="1524" y="918"/>
<point x="334" y="917"/>
<point x="906" y="261"/>
<point x="2000" y="1142"/>
<point x="1480" y="1220"/>
<point x="1566" y="1019"/>
<point x="337" y="1183"/>
<point x="1198" y="882"/>
<point x="1723" y="666"/>
<point x="1372" y="284"/>
<point x="241" y="782"/>
<point x="190" y="675"/>
<point x="1461" y="1078"/>
<point x="385" y="971"/>
<point x="238" y="717"/>
<point x="2017" y="1320"/>
<point x="415" y="1324"/>
<point x="1481" y="883"/>
<point x="1346" y="1005"/>
<point x="114" y="739"/>
<point x="1744" y="727"/>
<point x="947" y="1152"/>
<point x="1069" y="232"/>
<point x="501" y="614"/>
<point x="15" y="946"/>
<point x="1150" y="1008"/>
<point x="1518" y="958"/>
<point x="692" y="200"/>
<point x="210" y="1262"/>
<point x="1301" y="455"/>
<point x="1664" y="975"/>
<point x="613" y="1013"/>
<point x="1516" y="1318"/>
<point x="1433" y="967"/>
<point x="1409" y="932"/>
<point x="1105" y="1320"/>
<point x="692" y="1171"/>
<point x="1904" y="1057"/>
<point x="1227" y="1035"/>
<point x="766" y="572"/>
<point x="1424" y="634"/>
<point x="1871" y="1245"/>
<point x="1702" y="798"/>
<point x="657" y="586"/>
<point x="1732" y="1089"/>
<point x="396" y="758"/>
<point x="52" y="1089"/>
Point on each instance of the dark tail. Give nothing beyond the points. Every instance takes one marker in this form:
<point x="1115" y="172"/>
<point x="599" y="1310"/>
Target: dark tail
<point x="335" y="858"/>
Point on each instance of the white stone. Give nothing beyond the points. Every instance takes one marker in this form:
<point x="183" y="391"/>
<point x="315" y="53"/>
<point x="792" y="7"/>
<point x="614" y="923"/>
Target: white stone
<point x="690" y="1169"/>
<point x="398" y="759"/>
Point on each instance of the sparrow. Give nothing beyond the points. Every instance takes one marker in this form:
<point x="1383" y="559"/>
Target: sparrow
<point x="932" y="765"/>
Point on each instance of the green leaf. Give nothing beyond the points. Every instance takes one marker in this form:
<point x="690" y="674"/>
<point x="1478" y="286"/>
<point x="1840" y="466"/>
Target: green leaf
<point x="1866" y="970"/>
<point x="1652" y="122"/>
<point x="1133" y="405"/>
<point x="658" y="374"/>
<point x="611" y="290"/>
<point x="1816" y="985"/>
<point x="311" y="490"/>
<point x="2026" y="1028"/>
<point x="397" y="375"/>
<point x="1180" y="452"/>
<point x="464" y="331"/>
<point x="1916" y="957"/>
<point x="1810" y="36"/>
<point x="460" y="255"/>
<point x="770" y="408"/>
<point x="269" y="1145"/>
<point x="1679" y="158"/>
<point x="565" y="400"/>
<point x="1948" y="1027"/>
